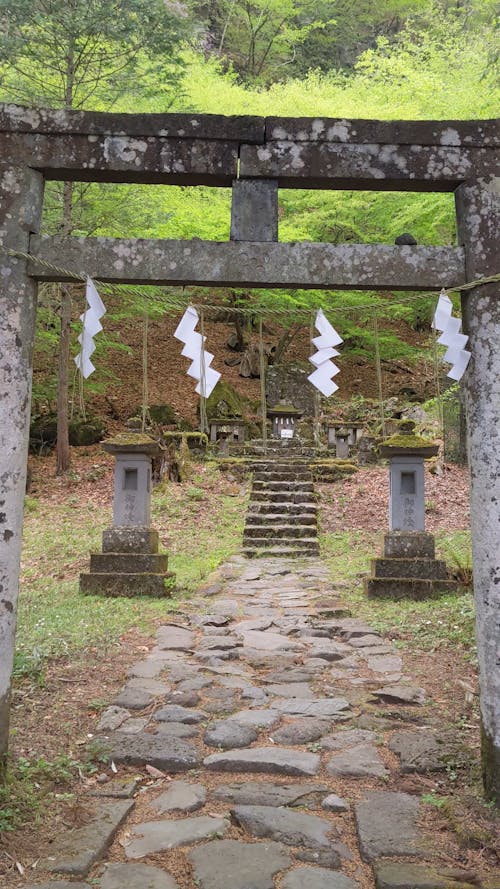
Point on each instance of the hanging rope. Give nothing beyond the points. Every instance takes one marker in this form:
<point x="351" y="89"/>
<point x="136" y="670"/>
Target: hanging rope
<point x="145" y="381"/>
<point x="177" y="304"/>
<point x="263" y="401"/>
<point x="437" y="365"/>
<point x="379" y="375"/>
<point x="203" y="401"/>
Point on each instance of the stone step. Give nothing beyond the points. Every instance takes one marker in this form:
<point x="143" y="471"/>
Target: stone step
<point x="290" y="509"/>
<point x="424" y="569"/>
<point x="279" y="552"/>
<point x="289" y="496"/>
<point x="305" y="543"/>
<point x="291" y="485"/>
<point x="282" y="475"/>
<point x="279" y="518"/>
<point x="280" y="464"/>
<point x="407" y="587"/>
<point x="288" y="531"/>
<point x="128" y="585"/>
<point x="128" y="563"/>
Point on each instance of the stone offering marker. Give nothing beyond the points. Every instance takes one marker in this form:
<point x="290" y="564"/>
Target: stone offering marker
<point x="408" y="569"/>
<point x="130" y="564"/>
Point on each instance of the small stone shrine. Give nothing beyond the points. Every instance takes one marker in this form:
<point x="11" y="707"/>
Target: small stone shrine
<point x="343" y="437"/>
<point x="224" y="430"/>
<point x="408" y="568"/>
<point x="130" y="564"/>
<point x="283" y="417"/>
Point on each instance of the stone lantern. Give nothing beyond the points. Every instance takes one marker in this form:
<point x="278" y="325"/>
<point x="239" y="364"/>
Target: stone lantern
<point x="283" y="417"/>
<point x="408" y="568"/>
<point x="407" y="452"/>
<point x="130" y="564"/>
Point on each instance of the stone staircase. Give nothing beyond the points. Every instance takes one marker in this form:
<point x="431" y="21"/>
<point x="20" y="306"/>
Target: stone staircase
<point x="282" y="515"/>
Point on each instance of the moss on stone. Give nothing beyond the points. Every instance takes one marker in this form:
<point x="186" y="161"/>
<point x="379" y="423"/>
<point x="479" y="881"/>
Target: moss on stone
<point x="403" y="440"/>
<point x="136" y="439"/>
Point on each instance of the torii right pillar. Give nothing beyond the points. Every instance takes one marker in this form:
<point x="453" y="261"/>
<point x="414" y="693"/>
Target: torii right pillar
<point x="478" y="217"/>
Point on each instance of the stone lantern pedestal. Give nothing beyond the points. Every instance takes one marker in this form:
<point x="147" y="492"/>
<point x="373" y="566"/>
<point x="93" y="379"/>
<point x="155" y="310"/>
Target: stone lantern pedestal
<point x="408" y="568"/>
<point x="130" y="564"/>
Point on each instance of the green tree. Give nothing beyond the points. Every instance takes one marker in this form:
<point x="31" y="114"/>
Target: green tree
<point x="71" y="54"/>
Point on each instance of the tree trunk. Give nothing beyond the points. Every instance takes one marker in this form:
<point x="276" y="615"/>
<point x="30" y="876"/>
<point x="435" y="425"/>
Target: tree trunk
<point x="21" y="195"/>
<point x="63" y="457"/>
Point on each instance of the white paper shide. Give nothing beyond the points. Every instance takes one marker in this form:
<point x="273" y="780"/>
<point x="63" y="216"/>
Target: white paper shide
<point x="91" y="326"/>
<point x="326" y="369"/>
<point x="194" y="350"/>
<point x="451" y="337"/>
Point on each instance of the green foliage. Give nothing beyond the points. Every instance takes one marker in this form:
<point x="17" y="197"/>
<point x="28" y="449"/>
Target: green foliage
<point x="31" y="783"/>
<point x="66" y="53"/>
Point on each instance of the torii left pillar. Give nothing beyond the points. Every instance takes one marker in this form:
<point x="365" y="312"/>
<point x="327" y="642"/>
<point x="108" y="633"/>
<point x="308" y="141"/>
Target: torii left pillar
<point x="21" y="199"/>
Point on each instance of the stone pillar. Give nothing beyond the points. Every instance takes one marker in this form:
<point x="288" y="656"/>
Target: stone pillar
<point x="477" y="205"/>
<point x="254" y="210"/>
<point x="130" y="564"/>
<point x="342" y="444"/>
<point x="21" y="198"/>
<point x="406" y="494"/>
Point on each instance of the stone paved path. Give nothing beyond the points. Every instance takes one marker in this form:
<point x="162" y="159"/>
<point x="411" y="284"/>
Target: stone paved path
<point x="280" y="723"/>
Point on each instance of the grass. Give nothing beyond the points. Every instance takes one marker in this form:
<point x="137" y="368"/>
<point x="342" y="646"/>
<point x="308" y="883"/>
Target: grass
<point x="427" y="624"/>
<point x="200" y="523"/>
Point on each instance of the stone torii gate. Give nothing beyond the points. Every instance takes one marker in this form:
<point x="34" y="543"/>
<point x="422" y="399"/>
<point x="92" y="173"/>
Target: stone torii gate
<point x="254" y="157"/>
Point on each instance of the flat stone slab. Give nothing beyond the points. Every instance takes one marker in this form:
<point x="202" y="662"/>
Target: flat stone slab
<point x="230" y="734"/>
<point x="116" y="788"/>
<point x="134" y="725"/>
<point x="133" y="698"/>
<point x="291" y="690"/>
<point x="177" y="713"/>
<point x="387" y="826"/>
<point x="135" y="876"/>
<point x="112" y="718"/>
<point x="284" y="826"/>
<point x="153" y="686"/>
<point x="347" y="738"/>
<point x="229" y="864"/>
<point x="145" y="749"/>
<point x="301" y="731"/>
<point x="260" y="793"/>
<point x="389" y="663"/>
<point x="176" y="729"/>
<point x="266" y="641"/>
<point x="358" y="762"/>
<point x="398" y="693"/>
<point x="75" y="851"/>
<point x="321" y="707"/>
<point x="317" y="878"/>
<point x="157" y="836"/>
<point x="334" y="803"/>
<point x="174" y="638"/>
<point x="58" y="884"/>
<point x="256" y="718"/>
<point x="395" y="875"/>
<point x="268" y="760"/>
<point x="180" y="797"/>
<point x="420" y="751"/>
